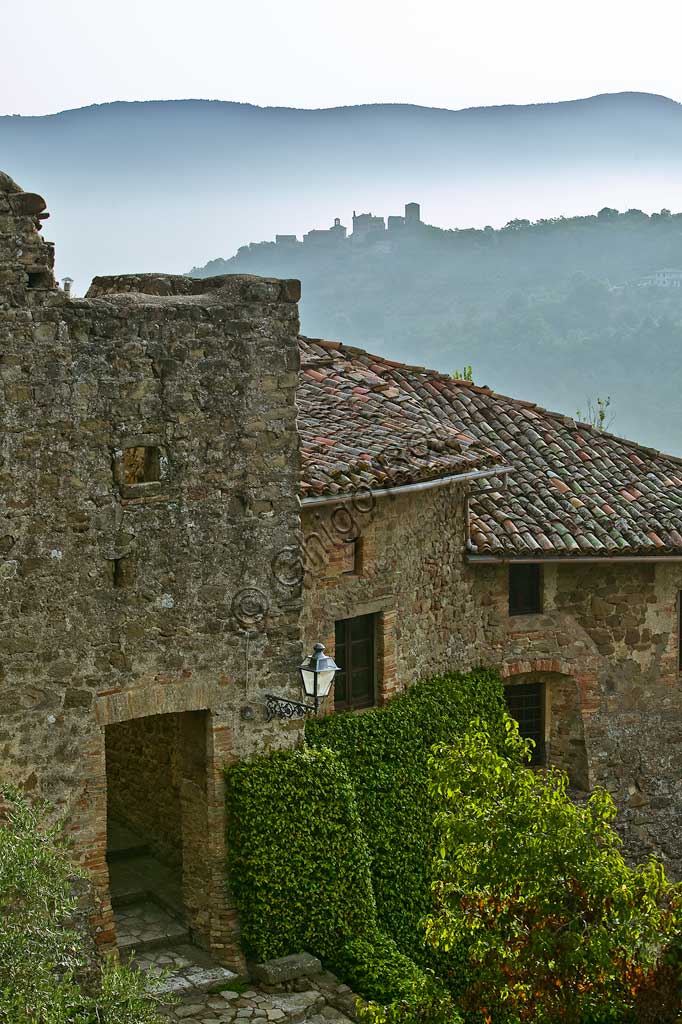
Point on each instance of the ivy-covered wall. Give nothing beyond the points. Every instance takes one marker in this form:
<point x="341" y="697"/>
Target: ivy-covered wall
<point x="298" y="858"/>
<point x="331" y="845"/>
<point x="385" y="753"/>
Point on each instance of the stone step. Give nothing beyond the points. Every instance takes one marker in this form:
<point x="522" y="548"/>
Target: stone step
<point x="145" y="925"/>
<point x="128" y="852"/>
<point x="134" y="879"/>
<point x="123" y="843"/>
<point x="189" y="969"/>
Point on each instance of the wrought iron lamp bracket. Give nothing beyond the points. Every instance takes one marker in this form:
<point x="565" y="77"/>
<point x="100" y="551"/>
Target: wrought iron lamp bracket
<point x="283" y="707"/>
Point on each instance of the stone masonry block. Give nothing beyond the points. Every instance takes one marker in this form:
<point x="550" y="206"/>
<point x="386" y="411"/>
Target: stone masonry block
<point x="286" y="968"/>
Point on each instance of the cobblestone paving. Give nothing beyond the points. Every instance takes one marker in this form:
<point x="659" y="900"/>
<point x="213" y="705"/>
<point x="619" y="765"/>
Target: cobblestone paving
<point x="154" y="940"/>
<point x="254" y="1005"/>
<point x="189" y="969"/>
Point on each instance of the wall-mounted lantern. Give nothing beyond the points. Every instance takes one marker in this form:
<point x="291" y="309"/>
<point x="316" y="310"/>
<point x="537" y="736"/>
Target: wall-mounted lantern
<point x="317" y="675"/>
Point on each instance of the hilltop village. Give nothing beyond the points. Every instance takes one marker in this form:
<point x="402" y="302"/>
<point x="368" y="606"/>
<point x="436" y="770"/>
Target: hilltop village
<point x="195" y="495"/>
<point x="367" y="230"/>
<point x="562" y="307"/>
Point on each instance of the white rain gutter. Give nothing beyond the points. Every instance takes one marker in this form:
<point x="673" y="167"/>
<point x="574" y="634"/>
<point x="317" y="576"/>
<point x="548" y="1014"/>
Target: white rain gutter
<point x="424" y="485"/>
<point x="567" y="559"/>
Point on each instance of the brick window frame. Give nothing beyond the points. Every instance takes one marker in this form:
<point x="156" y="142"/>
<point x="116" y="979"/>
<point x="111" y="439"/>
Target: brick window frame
<point x="387" y="683"/>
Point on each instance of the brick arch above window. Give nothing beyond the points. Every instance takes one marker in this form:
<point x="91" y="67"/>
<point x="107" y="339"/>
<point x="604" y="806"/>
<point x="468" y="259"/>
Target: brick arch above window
<point x="526" y="666"/>
<point x="555" y="706"/>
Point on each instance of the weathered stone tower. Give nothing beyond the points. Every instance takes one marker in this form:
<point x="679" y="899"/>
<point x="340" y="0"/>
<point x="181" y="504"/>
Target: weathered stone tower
<point x="149" y="477"/>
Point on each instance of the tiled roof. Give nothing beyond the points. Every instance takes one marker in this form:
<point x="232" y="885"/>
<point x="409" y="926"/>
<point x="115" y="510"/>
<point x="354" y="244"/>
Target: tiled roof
<point x="573" y="491"/>
<point x="366" y="422"/>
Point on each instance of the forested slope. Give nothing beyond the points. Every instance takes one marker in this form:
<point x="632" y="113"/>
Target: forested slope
<point x="554" y="311"/>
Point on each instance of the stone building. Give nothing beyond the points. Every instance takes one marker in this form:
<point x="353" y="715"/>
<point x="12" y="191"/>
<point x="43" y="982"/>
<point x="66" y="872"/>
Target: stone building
<point x="192" y="495"/>
<point x="447" y="526"/>
<point x="150" y="474"/>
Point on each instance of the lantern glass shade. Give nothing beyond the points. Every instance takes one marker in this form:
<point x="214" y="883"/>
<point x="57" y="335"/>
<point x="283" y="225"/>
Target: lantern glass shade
<point x="317" y="673"/>
<point x="324" y="682"/>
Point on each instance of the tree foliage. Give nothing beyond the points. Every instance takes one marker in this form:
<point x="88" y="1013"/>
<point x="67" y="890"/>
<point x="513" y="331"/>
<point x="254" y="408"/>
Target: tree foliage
<point x="330" y="847"/>
<point x="535" y="888"/>
<point x="45" y="976"/>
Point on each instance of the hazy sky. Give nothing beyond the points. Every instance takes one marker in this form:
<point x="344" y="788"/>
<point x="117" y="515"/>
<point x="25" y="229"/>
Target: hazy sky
<point x="59" y="54"/>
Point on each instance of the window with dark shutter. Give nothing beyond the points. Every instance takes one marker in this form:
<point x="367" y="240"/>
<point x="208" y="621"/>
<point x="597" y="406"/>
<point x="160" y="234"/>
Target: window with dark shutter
<point x="354" y="684"/>
<point x="526" y="703"/>
<point x="525" y="588"/>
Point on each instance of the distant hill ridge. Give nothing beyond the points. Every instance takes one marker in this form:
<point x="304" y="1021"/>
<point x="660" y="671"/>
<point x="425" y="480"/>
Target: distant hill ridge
<point x="599" y="98"/>
<point x="160" y="185"/>
<point x="163" y="186"/>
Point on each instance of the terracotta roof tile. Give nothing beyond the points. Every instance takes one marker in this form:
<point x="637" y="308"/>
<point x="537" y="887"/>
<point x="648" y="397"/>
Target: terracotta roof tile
<point x="573" y="490"/>
<point x="370" y="420"/>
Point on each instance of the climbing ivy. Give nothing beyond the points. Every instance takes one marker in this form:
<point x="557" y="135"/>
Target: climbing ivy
<point x="298" y="858"/>
<point x="331" y="846"/>
<point x="386" y="753"/>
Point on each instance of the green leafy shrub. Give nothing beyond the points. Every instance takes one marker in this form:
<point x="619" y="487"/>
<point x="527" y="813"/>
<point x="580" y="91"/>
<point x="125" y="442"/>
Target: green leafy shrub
<point x="398" y="990"/>
<point x="43" y="963"/>
<point x="559" y="928"/>
<point x="376" y="967"/>
<point x="423" y="1008"/>
<point x="319" y="837"/>
<point x="298" y="859"/>
<point x="386" y="753"/>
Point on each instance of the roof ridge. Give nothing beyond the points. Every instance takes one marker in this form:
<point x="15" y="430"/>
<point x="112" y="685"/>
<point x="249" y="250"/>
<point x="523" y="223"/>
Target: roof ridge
<point x="564" y="418"/>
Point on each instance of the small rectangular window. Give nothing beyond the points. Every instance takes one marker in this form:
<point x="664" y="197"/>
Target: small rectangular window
<point x="123" y="571"/>
<point x="354" y="685"/>
<point x="525" y="588"/>
<point x="40" y="279"/>
<point x="141" y="465"/>
<point x="526" y="704"/>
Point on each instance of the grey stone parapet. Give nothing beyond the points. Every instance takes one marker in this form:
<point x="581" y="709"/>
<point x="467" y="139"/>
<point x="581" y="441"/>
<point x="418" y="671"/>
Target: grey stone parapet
<point x="241" y="287"/>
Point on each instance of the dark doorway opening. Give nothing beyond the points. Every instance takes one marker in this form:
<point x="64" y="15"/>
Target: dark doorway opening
<point x="156" y="827"/>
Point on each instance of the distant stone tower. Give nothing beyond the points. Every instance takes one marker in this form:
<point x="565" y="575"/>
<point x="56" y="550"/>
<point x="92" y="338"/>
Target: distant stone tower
<point x="412" y="214"/>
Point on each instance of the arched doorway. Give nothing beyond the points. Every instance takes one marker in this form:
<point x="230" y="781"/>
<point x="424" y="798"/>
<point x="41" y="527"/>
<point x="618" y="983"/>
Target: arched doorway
<point x="165" y="745"/>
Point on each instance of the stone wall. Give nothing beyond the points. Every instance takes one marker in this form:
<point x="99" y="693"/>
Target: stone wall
<point x="607" y="647"/>
<point x="409" y="570"/>
<point x="136" y="583"/>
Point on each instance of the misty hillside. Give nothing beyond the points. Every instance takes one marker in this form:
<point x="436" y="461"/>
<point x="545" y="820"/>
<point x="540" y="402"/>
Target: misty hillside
<point x="163" y="186"/>
<point x="556" y="312"/>
<point x="167" y="185"/>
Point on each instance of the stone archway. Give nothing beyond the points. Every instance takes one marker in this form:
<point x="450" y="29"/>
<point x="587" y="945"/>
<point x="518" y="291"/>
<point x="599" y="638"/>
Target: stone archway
<point x="563" y="726"/>
<point x="157" y="827"/>
<point x="135" y="726"/>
